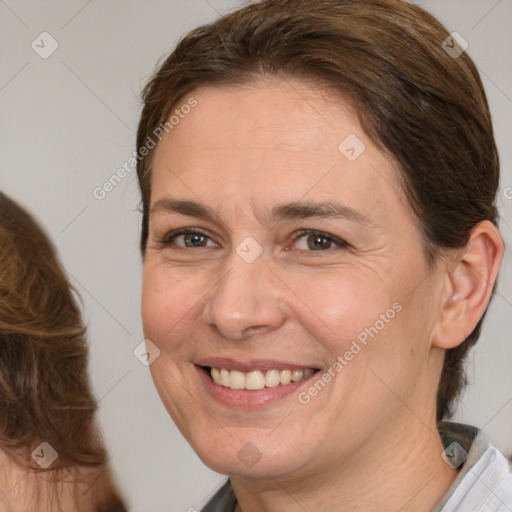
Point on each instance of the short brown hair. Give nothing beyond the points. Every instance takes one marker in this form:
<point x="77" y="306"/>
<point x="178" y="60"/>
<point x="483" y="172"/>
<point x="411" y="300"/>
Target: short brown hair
<point x="45" y="394"/>
<point x="424" y="107"/>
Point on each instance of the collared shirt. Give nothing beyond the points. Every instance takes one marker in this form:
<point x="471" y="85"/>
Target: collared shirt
<point x="483" y="484"/>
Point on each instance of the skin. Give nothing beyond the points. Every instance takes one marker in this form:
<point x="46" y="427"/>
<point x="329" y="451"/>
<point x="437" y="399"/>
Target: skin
<point x="369" y="437"/>
<point x="72" y="489"/>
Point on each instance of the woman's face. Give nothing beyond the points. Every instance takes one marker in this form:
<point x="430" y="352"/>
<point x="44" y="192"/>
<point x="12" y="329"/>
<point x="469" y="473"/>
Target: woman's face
<point x="283" y="257"/>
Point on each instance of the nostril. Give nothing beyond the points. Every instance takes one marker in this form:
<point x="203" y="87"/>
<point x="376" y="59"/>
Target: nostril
<point x="249" y="331"/>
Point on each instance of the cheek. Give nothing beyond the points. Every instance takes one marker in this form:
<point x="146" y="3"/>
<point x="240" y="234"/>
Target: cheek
<point x="336" y="309"/>
<point x="168" y="301"/>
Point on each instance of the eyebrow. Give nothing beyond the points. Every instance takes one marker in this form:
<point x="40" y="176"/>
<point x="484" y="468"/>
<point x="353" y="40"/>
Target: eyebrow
<point x="190" y="208"/>
<point x="288" y="211"/>
<point x="306" y="210"/>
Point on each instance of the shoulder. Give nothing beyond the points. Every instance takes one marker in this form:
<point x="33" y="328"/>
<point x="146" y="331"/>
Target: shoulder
<point x="485" y="477"/>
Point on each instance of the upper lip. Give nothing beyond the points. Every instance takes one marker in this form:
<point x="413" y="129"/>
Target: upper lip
<point x="255" y="364"/>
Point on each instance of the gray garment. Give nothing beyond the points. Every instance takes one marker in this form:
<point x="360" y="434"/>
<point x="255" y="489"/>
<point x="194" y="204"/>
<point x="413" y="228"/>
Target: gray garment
<point x="223" y="501"/>
<point x="484" y="482"/>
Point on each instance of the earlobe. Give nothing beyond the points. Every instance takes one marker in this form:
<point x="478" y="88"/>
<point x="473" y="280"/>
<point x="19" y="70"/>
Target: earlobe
<point x="469" y="286"/>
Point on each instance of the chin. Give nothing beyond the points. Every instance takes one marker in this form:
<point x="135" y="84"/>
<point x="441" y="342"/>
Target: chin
<point x="250" y="459"/>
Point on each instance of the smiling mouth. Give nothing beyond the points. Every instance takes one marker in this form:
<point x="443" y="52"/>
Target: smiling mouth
<point x="257" y="379"/>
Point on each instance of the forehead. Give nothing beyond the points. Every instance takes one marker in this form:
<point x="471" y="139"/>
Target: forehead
<point x="270" y="142"/>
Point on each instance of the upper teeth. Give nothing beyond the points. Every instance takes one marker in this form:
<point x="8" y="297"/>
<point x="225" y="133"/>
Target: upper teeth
<point x="256" y="379"/>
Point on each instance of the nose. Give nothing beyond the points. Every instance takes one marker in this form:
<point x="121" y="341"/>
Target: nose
<point x="246" y="301"/>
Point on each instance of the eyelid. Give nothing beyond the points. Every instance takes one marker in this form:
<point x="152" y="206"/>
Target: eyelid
<point x="338" y="241"/>
<point x="167" y="238"/>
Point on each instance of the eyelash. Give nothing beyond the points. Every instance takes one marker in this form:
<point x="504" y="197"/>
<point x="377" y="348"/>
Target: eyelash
<point x="168" y="238"/>
<point x="341" y="244"/>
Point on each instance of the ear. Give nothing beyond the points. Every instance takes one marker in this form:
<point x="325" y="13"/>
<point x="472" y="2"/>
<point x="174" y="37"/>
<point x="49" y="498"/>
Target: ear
<point x="468" y="286"/>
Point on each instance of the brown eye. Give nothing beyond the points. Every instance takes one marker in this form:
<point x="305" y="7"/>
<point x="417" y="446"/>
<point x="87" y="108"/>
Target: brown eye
<point x="308" y="240"/>
<point x="194" y="240"/>
<point x="188" y="239"/>
<point x="316" y="242"/>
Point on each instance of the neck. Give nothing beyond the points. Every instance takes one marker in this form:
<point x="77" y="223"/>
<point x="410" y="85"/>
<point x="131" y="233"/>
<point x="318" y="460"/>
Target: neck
<point x="397" y="469"/>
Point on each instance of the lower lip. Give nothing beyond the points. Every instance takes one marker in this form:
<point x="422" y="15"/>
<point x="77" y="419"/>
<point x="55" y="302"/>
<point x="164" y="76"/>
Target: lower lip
<point x="247" y="399"/>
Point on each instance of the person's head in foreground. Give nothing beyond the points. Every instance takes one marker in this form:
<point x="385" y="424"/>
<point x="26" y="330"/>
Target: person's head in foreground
<point x="320" y="247"/>
<point x="52" y="456"/>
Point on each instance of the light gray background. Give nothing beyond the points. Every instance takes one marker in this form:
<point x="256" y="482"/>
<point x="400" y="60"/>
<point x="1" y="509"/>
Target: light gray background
<point x="68" y="122"/>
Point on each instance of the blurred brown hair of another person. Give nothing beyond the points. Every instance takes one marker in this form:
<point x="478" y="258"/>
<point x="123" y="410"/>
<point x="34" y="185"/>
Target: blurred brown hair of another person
<point x="52" y="456"/>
